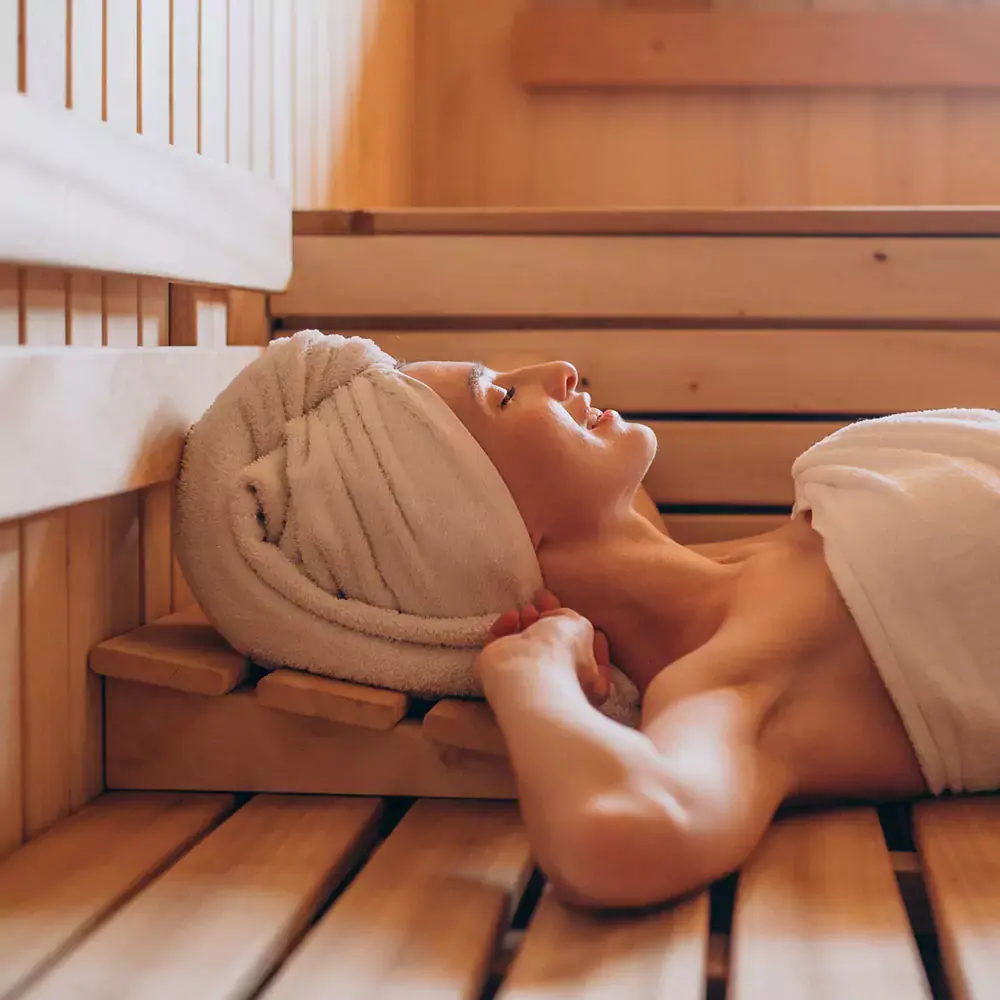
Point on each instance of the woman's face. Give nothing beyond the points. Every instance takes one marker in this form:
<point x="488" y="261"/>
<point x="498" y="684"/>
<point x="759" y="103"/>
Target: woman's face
<point x="568" y="466"/>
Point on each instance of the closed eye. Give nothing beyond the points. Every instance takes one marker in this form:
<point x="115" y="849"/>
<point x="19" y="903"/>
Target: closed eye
<point x="508" y="396"/>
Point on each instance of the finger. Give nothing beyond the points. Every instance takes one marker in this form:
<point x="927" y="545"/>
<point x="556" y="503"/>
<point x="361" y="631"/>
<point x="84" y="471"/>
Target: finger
<point x="602" y="652"/>
<point x="507" y="624"/>
<point x="547" y="601"/>
<point x="529" y="615"/>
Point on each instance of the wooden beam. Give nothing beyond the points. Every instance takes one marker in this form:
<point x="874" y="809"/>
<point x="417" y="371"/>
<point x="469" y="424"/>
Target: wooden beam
<point x="591" y="46"/>
<point x="163" y="739"/>
<point x="678" y="278"/>
<point x="106" y="420"/>
<point x="83" y="195"/>
<point x="952" y="220"/>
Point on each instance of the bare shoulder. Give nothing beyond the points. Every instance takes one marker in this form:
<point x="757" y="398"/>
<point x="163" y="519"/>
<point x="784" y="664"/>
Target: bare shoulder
<point x="804" y="692"/>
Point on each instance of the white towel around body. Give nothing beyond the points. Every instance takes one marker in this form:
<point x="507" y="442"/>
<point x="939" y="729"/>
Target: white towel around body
<point x="909" y="510"/>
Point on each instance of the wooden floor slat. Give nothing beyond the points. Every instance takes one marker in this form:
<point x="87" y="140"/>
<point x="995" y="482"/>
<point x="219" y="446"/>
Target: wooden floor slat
<point x="421" y="919"/>
<point x="819" y="915"/>
<point x="55" y="889"/>
<point x="575" y="955"/>
<point x="216" y="923"/>
<point x="959" y="844"/>
<point x="181" y="651"/>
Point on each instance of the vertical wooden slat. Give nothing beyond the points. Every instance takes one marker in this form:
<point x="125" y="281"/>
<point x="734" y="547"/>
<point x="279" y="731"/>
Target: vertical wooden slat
<point x="281" y="95"/>
<point x="10" y="305"/>
<point x="11" y="807"/>
<point x="303" y="99"/>
<point x="45" y="76"/>
<point x="45" y="51"/>
<point x="88" y="625"/>
<point x="326" y="96"/>
<point x="87" y="58"/>
<point x="44" y="653"/>
<point x="121" y="97"/>
<point x="46" y="743"/>
<point x="154" y="85"/>
<point x="214" y="78"/>
<point x="86" y="525"/>
<point x="121" y="64"/>
<point x="261" y="75"/>
<point x="45" y="307"/>
<point x="239" y="84"/>
<point x="9" y="54"/>
<point x="184" y="95"/>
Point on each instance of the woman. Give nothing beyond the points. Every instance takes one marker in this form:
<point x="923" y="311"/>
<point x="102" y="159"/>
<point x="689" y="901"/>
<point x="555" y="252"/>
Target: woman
<point x="342" y="513"/>
<point x="756" y="686"/>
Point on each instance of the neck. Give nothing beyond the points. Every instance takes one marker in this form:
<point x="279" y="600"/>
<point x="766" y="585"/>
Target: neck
<point x="654" y="599"/>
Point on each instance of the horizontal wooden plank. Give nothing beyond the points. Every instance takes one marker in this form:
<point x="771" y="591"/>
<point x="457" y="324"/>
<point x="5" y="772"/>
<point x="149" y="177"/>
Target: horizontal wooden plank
<point x="818" y="914"/>
<point x="465" y="724"/>
<point x="762" y="279"/>
<point x="587" y="46"/>
<point x="577" y="955"/>
<point x="728" y="462"/>
<point x="328" y="698"/>
<point x="957" y="842"/>
<point x="160" y="738"/>
<point x="217" y="923"/>
<point x="742" y="371"/>
<point x="85" y="195"/>
<point x="56" y="888"/>
<point x="422" y="917"/>
<point x="960" y="220"/>
<point x="109" y="420"/>
<point x="181" y="651"/>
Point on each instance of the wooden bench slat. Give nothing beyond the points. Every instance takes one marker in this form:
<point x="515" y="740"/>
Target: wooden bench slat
<point x="56" y="888"/>
<point x="818" y="914"/>
<point x="959" y="844"/>
<point x="716" y="462"/>
<point x="683" y="278"/>
<point x="216" y="924"/>
<point x="568" y="953"/>
<point x="181" y="651"/>
<point x="468" y="725"/>
<point x="422" y="916"/>
<point x="852" y="372"/>
<point x="159" y="738"/>
<point x="328" y="698"/>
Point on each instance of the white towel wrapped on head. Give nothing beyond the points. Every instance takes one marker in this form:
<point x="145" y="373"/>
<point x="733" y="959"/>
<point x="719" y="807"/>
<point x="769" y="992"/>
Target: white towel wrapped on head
<point x="334" y="515"/>
<point x="909" y="510"/>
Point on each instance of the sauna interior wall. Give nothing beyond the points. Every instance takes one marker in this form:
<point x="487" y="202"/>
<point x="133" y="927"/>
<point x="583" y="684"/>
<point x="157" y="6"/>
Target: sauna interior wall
<point x="282" y="87"/>
<point x="483" y="141"/>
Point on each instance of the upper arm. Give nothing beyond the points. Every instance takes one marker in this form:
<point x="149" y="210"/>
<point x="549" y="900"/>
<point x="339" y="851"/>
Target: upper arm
<point x="688" y="820"/>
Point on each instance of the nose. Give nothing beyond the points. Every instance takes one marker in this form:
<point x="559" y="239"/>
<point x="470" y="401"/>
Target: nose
<point x="557" y="378"/>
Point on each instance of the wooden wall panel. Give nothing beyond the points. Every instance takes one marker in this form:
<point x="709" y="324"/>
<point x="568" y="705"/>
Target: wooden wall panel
<point x="74" y="576"/>
<point x="483" y="140"/>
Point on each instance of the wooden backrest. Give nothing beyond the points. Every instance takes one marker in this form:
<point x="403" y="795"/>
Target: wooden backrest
<point x="740" y="337"/>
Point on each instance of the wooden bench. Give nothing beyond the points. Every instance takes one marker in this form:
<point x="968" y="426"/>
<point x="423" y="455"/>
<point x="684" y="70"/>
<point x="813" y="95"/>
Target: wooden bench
<point x="283" y="896"/>
<point x="281" y="835"/>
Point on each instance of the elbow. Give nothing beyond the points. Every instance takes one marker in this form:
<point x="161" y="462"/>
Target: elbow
<point x="623" y="855"/>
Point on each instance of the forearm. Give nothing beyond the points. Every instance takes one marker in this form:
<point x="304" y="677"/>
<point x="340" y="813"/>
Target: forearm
<point x="564" y="752"/>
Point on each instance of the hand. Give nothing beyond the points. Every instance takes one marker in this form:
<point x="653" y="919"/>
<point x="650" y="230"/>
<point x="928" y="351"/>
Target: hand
<point x="544" y="631"/>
